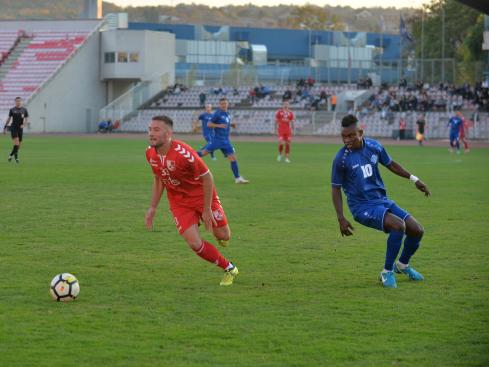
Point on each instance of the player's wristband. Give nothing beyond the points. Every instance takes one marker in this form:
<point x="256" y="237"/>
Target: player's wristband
<point x="413" y="178"/>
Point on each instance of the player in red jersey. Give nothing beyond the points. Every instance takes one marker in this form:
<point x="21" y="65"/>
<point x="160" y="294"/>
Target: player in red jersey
<point x="191" y="194"/>
<point x="464" y="128"/>
<point x="284" y="120"/>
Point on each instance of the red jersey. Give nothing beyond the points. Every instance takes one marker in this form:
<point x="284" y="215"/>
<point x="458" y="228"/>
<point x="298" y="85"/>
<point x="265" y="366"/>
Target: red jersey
<point x="180" y="171"/>
<point x="284" y="119"/>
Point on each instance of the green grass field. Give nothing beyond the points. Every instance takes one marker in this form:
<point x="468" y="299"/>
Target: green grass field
<point x="305" y="295"/>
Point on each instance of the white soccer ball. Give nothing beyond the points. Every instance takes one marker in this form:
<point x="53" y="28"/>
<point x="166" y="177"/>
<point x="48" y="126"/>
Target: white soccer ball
<point x="64" y="287"/>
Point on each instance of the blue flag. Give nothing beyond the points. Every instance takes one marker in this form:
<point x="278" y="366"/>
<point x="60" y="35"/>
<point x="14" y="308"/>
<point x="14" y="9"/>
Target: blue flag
<point x="404" y="32"/>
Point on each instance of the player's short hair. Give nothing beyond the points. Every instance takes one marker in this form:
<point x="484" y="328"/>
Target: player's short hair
<point x="18" y="98"/>
<point x="222" y="99"/>
<point x="349" y="120"/>
<point x="165" y="119"/>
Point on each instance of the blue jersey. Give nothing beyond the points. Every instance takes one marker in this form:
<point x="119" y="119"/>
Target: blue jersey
<point x="357" y="172"/>
<point x="455" y="122"/>
<point x="221" y="117"/>
<point x="204" y="118"/>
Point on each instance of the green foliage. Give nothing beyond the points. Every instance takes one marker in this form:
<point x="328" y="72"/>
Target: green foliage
<point x="305" y="296"/>
<point x="463" y="28"/>
<point x="311" y="17"/>
<point x="362" y="19"/>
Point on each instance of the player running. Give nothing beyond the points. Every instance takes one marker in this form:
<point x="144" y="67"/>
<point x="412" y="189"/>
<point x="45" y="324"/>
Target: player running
<point x="191" y="194"/>
<point x="19" y="116"/>
<point x="455" y="122"/>
<point x="207" y="132"/>
<point x="355" y="169"/>
<point x="221" y="123"/>
<point x="284" y="121"/>
<point x="421" y="124"/>
<point x="464" y="130"/>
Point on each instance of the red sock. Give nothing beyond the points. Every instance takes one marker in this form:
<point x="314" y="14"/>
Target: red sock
<point x="280" y="148"/>
<point x="210" y="253"/>
<point x="466" y="145"/>
<point x="287" y="148"/>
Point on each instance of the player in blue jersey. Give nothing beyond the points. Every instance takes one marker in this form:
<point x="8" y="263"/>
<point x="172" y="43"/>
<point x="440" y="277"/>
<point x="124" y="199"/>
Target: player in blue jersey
<point x="221" y="124"/>
<point x="207" y="132"/>
<point x="455" y="122"/>
<point x="355" y="169"/>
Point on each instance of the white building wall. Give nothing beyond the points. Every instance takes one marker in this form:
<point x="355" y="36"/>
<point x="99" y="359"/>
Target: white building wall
<point x="156" y="54"/>
<point x="70" y="101"/>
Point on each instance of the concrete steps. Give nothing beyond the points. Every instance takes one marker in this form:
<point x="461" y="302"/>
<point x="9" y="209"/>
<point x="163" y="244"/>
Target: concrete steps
<point x="13" y="56"/>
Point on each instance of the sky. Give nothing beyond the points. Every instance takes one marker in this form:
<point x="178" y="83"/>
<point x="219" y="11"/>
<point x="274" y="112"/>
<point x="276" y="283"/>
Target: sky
<point x="352" y="3"/>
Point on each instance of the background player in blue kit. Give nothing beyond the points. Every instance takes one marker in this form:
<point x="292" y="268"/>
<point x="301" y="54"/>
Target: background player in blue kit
<point x="207" y="132"/>
<point x="355" y="169"/>
<point x="221" y="124"/>
<point x="455" y="122"/>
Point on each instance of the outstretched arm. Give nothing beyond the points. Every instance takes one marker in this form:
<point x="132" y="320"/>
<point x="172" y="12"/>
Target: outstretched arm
<point x="221" y="126"/>
<point x="346" y="228"/>
<point x="158" y="189"/>
<point x="400" y="171"/>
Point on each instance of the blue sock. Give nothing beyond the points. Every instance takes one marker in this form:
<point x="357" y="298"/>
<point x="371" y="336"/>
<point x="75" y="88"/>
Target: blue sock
<point x="234" y="167"/>
<point x="458" y="145"/>
<point x="199" y="153"/>
<point x="394" y="242"/>
<point x="212" y="154"/>
<point x="411" y="244"/>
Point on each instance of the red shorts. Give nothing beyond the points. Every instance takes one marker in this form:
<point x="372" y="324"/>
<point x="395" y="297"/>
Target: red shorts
<point x="186" y="216"/>
<point x="285" y="136"/>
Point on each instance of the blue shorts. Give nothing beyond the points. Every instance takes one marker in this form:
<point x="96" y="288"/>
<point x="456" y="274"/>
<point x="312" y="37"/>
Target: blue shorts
<point x="225" y="147"/>
<point x="371" y="214"/>
<point x="208" y="138"/>
<point x="454" y="137"/>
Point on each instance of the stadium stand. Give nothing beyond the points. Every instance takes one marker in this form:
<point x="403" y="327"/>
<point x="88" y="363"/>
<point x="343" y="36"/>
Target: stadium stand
<point x="44" y="55"/>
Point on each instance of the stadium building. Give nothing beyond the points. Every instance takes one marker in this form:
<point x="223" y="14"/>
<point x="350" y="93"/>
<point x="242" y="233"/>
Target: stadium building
<point x="74" y="73"/>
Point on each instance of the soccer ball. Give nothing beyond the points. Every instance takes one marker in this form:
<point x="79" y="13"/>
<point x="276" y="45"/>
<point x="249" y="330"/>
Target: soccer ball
<point x="64" y="287"/>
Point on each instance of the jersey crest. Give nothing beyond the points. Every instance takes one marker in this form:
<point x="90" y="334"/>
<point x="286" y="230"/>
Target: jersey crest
<point x="171" y="165"/>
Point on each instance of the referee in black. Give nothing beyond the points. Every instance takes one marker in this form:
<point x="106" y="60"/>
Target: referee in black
<point x="18" y="115"/>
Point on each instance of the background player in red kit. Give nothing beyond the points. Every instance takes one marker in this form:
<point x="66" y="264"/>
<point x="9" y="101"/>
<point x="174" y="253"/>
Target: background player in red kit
<point x="191" y="194"/>
<point x="464" y="130"/>
<point x="284" y="119"/>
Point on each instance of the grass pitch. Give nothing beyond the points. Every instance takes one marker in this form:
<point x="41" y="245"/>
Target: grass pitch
<point x="305" y="295"/>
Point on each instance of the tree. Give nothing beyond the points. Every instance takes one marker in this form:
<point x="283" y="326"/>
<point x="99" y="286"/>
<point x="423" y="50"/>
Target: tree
<point x="311" y="17"/>
<point x="463" y="28"/>
<point x="460" y="22"/>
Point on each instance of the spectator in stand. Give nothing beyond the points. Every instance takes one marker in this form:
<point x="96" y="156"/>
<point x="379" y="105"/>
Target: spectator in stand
<point x="333" y="102"/>
<point x="252" y="95"/>
<point x="287" y="95"/>
<point x="202" y="99"/>
<point x="310" y="82"/>
<point x="420" y="123"/>
<point x="402" y="128"/>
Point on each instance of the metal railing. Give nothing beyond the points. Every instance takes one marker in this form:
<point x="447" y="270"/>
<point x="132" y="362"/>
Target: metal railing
<point x="333" y="71"/>
<point x="124" y="106"/>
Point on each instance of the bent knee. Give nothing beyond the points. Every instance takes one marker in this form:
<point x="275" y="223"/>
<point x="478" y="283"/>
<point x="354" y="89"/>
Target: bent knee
<point x="194" y="244"/>
<point x="417" y="231"/>
<point x="399" y="226"/>
<point x="223" y="235"/>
